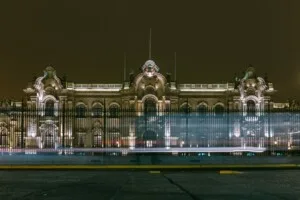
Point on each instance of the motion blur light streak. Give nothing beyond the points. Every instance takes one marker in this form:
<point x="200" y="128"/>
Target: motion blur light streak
<point x="144" y="150"/>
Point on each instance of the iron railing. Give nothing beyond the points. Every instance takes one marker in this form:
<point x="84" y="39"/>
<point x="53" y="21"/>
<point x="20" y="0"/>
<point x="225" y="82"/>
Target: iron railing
<point x="179" y="130"/>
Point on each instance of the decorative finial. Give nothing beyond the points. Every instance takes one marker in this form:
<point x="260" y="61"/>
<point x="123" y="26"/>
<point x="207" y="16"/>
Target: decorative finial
<point x="150" y="44"/>
<point x="175" y="67"/>
<point x="124" y="66"/>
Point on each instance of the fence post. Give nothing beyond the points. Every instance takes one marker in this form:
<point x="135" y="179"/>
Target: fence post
<point x="22" y="124"/>
<point x="104" y="125"/>
<point x="228" y="128"/>
<point x="269" y="131"/>
<point x="63" y="122"/>
<point x="187" y="123"/>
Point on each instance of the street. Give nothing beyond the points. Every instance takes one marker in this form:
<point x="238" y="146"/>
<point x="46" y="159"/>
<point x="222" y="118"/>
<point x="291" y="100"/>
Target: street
<point x="256" y="184"/>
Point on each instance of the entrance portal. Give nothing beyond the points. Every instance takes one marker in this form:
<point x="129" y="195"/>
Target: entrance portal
<point x="150" y="139"/>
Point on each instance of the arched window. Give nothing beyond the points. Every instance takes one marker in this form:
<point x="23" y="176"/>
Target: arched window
<point x="49" y="108"/>
<point x="97" y="110"/>
<point x="219" y="109"/>
<point x="114" y="110"/>
<point x="202" y="108"/>
<point x="80" y="110"/>
<point x="251" y="107"/>
<point x="150" y="106"/>
<point x="185" y="108"/>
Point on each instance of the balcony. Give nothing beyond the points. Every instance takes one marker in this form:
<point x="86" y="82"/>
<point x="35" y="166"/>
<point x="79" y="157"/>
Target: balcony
<point x="94" y="87"/>
<point x="206" y="87"/>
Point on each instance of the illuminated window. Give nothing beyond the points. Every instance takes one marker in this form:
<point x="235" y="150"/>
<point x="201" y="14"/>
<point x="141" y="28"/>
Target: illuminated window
<point x="97" y="110"/>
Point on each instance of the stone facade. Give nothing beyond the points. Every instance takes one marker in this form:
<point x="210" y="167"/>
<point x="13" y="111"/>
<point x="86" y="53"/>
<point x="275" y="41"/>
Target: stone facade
<point x="136" y="113"/>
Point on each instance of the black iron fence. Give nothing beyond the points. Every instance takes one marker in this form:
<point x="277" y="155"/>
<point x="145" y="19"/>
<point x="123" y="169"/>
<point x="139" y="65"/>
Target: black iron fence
<point x="180" y="130"/>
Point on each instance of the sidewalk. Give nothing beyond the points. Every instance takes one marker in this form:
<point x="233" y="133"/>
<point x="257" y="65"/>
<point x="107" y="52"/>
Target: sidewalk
<point x="143" y="162"/>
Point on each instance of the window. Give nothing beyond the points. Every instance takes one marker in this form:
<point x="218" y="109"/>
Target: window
<point x="97" y="110"/>
<point x="219" y="110"/>
<point x="185" y="108"/>
<point x="150" y="106"/>
<point x="114" y="111"/>
<point x="251" y="107"/>
<point x="80" y="110"/>
<point x="49" y="108"/>
<point x="202" y="108"/>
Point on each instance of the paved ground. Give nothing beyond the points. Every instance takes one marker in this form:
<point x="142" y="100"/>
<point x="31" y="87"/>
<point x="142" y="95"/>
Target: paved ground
<point x="64" y="185"/>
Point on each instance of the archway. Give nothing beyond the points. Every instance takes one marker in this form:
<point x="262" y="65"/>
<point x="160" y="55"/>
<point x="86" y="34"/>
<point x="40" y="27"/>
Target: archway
<point x="219" y="109"/>
<point x="251" y="108"/>
<point x="150" y="139"/>
<point x="49" y="132"/>
<point x="49" y="108"/>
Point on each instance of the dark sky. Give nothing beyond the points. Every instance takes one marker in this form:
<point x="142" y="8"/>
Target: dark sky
<point x="87" y="39"/>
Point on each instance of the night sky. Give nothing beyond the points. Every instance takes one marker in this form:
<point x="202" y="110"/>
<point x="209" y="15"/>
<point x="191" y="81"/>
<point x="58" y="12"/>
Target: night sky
<point x="86" y="40"/>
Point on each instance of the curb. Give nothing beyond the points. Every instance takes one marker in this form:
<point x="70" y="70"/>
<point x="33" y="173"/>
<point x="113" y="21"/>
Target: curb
<point x="147" y="167"/>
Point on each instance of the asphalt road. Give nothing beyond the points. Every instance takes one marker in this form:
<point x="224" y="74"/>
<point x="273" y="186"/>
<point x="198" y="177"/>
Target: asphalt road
<point x="140" y="185"/>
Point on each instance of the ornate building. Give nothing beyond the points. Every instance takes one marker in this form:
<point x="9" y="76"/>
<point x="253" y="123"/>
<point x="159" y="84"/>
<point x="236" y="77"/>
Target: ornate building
<point x="149" y="110"/>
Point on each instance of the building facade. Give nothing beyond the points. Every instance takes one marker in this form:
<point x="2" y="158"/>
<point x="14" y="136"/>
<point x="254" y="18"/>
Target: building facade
<point x="148" y="110"/>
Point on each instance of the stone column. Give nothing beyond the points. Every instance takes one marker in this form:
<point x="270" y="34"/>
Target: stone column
<point x="244" y="108"/>
<point x="139" y="107"/>
<point x="160" y="108"/>
<point x="12" y="135"/>
<point x="69" y="124"/>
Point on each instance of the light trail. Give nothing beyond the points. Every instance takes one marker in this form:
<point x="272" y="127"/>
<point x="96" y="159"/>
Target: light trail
<point x="141" y="150"/>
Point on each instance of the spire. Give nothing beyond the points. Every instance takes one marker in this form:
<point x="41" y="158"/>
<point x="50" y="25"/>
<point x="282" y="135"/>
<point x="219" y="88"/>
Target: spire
<point x="150" y="44"/>
<point x="124" y="66"/>
<point x="175" y="67"/>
